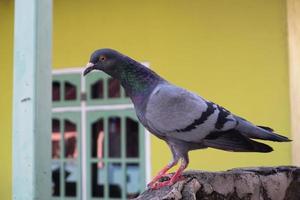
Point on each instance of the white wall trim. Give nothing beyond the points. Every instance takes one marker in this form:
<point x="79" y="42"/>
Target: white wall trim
<point x="293" y="17"/>
<point x="110" y="107"/>
<point x="83" y="144"/>
<point x="69" y="70"/>
<point x="93" y="108"/>
<point x="66" y="109"/>
<point x="148" y="156"/>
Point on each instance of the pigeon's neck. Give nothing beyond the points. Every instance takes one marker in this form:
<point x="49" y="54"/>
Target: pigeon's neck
<point x="138" y="81"/>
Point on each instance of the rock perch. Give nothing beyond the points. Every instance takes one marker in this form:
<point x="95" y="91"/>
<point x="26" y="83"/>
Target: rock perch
<point x="260" y="183"/>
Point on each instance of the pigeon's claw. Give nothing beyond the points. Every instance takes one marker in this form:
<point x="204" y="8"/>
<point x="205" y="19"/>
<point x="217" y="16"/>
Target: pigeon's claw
<point x="161" y="173"/>
<point x="161" y="178"/>
<point x="151" y="184"/>
<point x="170" y="182"/>
<point x="176" y="177"/>
<point x="159" y="185"/>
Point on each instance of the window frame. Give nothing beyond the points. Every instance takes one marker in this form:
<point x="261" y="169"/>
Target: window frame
<point x="86" y="106"/>
<point x="92" y="78"/>
<point x="75" y="80"/>
<point x="91" y="118"/>
<point x="74" y="117"/>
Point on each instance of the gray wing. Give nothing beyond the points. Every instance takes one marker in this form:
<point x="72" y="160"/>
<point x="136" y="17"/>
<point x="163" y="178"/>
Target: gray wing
<point x="174" y="112"/>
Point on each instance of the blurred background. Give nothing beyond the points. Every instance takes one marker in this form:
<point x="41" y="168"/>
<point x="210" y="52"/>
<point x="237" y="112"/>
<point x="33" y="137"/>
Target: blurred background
<point x="234" y="53"/>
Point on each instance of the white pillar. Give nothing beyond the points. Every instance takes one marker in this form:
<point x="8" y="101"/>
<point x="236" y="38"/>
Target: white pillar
<point x="32" y="99"/>
<point x="293" y="11"/>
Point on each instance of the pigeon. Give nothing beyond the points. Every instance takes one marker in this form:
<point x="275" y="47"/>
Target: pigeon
<point x="183" y="119"/>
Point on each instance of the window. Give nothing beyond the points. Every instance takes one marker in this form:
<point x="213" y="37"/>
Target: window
<point x="111" y="164"/>
<point x="117" y="169"/>
<point x="70" y="91"/>
<point x="66" y="90"/>
<point x="65" y="159"/>
<point x="55" y="91"/>
<point x="101" y="89"/>
<point x="97" y="90"/>
<point x="114" y="88"/>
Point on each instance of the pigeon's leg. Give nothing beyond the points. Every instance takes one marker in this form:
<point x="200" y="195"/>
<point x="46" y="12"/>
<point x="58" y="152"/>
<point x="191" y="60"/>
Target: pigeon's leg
<point x="163" y="172"/>
<point x="176" y="177"/>
<point x="167" y="167"/>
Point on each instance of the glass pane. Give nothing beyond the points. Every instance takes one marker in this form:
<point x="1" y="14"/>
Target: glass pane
<point x="114" y="88"/>
<point x="132" y="138"/>
<point x="114" y="135"/>
<point x="70" y="138"/>
<point x="115" y="180"/>
<point x="71" y="178"/>
<point x="97" y="183"/>
<point x="97" y="90"/>
<point x="70" y="91"/>
<point x="55" y="168"/>
<point x="55" y="91"/>
<point x="97" y="140"/>
<point x="126" y="95"/>
<point x="55" y="139"/>
<point x="133" y="180"/>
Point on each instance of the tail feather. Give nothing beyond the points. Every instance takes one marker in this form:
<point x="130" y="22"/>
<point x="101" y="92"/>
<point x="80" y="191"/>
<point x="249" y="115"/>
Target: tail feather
<point x="259" y="132"/>
<point x="233" y="140"/>
<point x="266" y="128"/>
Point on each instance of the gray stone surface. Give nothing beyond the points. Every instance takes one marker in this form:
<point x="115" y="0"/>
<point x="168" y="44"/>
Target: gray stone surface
<point x="260" y="183"/>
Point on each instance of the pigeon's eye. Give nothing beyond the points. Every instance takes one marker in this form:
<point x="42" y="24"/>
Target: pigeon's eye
<point x="102" y="58"/>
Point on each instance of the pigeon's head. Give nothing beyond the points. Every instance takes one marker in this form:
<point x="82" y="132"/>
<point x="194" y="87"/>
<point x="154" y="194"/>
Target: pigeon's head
<point x="106" y="60"/>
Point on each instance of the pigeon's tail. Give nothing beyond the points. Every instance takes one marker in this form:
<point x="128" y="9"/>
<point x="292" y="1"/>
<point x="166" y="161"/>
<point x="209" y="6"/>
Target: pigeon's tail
<point x="259" y="132"/>
<point x="233" y="140"/>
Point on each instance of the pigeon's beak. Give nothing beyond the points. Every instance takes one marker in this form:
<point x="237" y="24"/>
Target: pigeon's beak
<point x="89" y="67"/>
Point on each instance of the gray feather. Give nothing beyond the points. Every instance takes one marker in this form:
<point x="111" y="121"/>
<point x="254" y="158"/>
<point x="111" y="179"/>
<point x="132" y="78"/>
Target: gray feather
<point x="168" y="106"/>
<point x="176" y="113"/>
<point x="256" y="132"/>
<point x="233" y="140"/>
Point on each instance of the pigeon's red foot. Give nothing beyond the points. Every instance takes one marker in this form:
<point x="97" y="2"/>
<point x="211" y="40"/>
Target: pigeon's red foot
<point x="157" y="183"/>
<point x="161" y="174"/>
<point x="169" y="182"/>
<point x="161" y="178"/>
<point x="151" y="184"/>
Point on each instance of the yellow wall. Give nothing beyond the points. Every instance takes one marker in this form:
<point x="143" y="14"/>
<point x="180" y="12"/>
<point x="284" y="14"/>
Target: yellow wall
<point x="6" y="50"/>
<point x="231" y="52"/>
